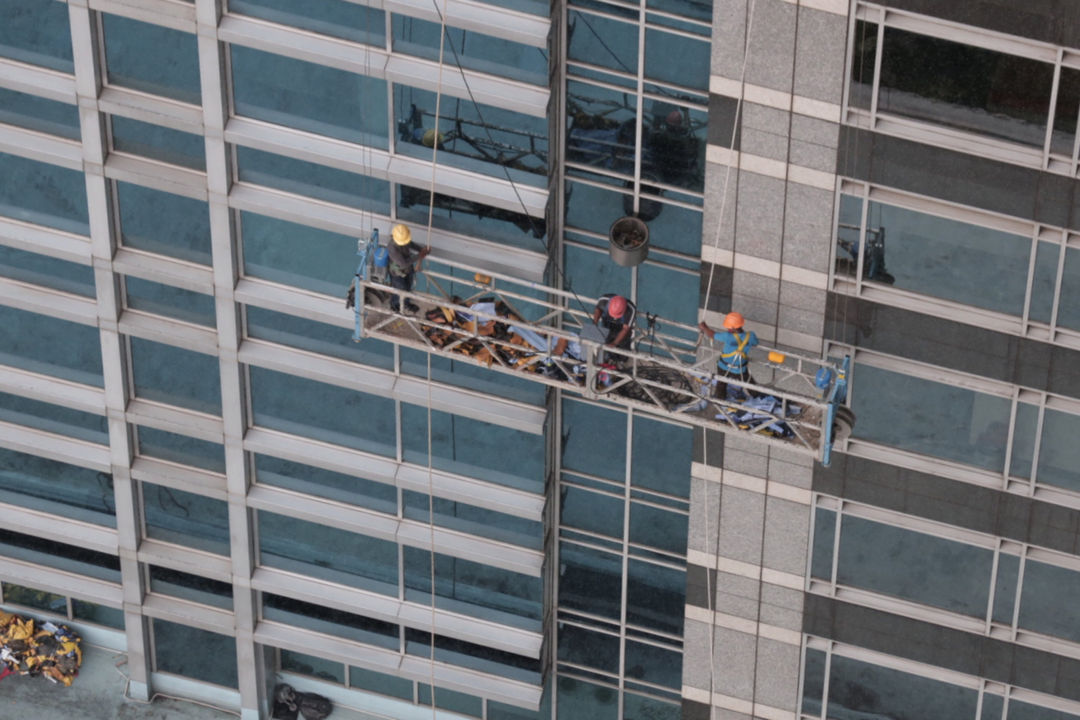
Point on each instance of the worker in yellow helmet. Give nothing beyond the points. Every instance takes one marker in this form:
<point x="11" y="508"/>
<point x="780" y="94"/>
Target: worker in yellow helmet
<point x="405" y="259"/>
<point x="733" y="361"/>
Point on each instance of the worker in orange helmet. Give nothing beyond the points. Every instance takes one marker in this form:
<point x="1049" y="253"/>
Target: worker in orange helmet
<point x="615" y="314"/>
<point x="734" y="361"/>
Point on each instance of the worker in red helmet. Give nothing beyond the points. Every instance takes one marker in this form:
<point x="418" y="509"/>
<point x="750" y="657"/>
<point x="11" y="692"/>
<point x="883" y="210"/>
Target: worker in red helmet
<point x="616" y="314"/>
<point x="734" y="362"/>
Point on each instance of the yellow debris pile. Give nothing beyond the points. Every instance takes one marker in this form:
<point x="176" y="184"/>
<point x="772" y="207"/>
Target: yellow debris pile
<point x="49" y="650"/>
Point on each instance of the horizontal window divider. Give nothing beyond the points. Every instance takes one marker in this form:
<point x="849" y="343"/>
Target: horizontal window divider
<point x="934" y="373"/>
<point x="290" y="300"/>
<point x="158" y="175"/>
<point x="45" y="241"/>
<point x="450" y="486"/>
<point x="59" y="528"/>
<point x="1056" y="495"/>
<point x="913" y="667"/>
<point x="151" y="108"/>
<point x="194" y="690"/>
<point x="55" y="447"/>
<point x="1038" y="698"/>
<point x="46" y="301"/>
<point x="925" y="464"/>
<point x="35" y="80"/>
<point x="41" y="147"/>
<point x="162" y="416"/>
<point x="392" y="610"/>
<point x="492" y="687"/>
<point x="49" y="579"/>
<point x="185" y="612"/>
<point x="389" y="527"/>
<point x="1064" y="404"/>
<point x="185" y="559"/>
<point x="161" y="269"/>
<point x="481" y="17"/>
<point x="952" y="211"/>
<point x="919" y="524"/>
<point x="1054" y="557"/>
<point x="914" y="610"/>
<point x="46" y="388"/>
<point x="968" y="35"/>
<point x="175" y="15"/>
<point x="179" y="477"/>
<point x="354" y="376"/>
<point x="463" y="249"/>
<point x="169" y="331"/>
<point x="958" y="140"/>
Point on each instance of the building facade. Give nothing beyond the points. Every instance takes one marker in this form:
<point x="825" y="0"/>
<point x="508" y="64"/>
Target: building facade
<point x="200" y="468"/>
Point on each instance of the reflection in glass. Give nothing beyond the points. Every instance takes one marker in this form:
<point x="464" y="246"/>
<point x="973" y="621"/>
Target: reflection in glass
<point x="61" y="556"/>
<point x="170" y="301"/>
<point x="992" y="707"/>
<point x="37" y="113"/>
<point x="603" y="41"/>
<point x="476" y="657"/>
<point x="590" y="580"/>
<point x="181" y="449"/>
<point x="174" y="72"/>
<point x="580" y="700"/>
<point x="168" y="374"/>
<point x="29" y="597"/>
<point x="594" y="440"/>
<point x="190" y="587"/>
<point x="661" y="459"/>
<point x="1059" y="453"/>
<point x="473" y="519"/>
<point x="1069" y="302"/>
<point x="308" y="96"/>
<point x="1026" y="711"/>
<point x="469" y="217"/>
<point x="676" y="59"/>
<point x="914" y="566"/>
<point x="862" y="64"/>
<point x="653" y="664"/>
<point x="821" y="561"/>
<point x="935" y="419"/>
<point x="1023" y="444"/>
<point x="874" y="691"/>
<point x="307" y="334"/>
<point x="589" y="648"/>
<point x="335" y="623"/>
<point x="43" y="194"/>
<point x="159" y="143"/>
<point x="29" y="341"/>
<point x="602" y="127"/>
<point x="312" y="666"/>
<point x="30" y="267"/>
<point x="298" y="255"/>
<point x="36" y="32"/>
<point x="98" y="614"/>
<point x="52" y="418"/>
<point x="164" y="223"/>
<point x="194" y="653"/>
<point x="655" y="596"/>
<point x="1063" y="136"/>
<point x="658" y="528"/>
<point x="965" y="87"/>
<point x="456" y="702"/>
<point x="591" y="511"/>
<point x="380" y="683"/>
<point x="184" y="518"/>
<point x="813" y="682"/>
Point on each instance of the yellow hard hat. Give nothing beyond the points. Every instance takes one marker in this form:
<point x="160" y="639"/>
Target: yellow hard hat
<point x="429" y="138"/>
<point x="401" y="234"/>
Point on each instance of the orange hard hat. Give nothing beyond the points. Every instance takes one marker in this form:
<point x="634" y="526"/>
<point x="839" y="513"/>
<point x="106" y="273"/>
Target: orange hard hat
<point x="733" y="321"/>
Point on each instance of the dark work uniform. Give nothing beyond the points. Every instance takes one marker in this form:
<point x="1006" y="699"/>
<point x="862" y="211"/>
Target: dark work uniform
<point x="615" y="325"/>
<point x="403" y="260"/>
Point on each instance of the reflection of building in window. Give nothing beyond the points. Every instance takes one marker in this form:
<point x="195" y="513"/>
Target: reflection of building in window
<point x="849" y="245"/>
<point x="415" y="196"/>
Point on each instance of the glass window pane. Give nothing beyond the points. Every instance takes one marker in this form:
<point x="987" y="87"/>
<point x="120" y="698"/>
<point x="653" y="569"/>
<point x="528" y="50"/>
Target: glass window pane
<point x="43" y="194"/>
<point x="921" y="253"/>
<point x="36" y="32"/>
<point x="337" y="18"/>
<point x="601" y="127"/>
<point x="590" y="581"/>
<point x="380" y="683"/>
<point x="185" y="518"/>
<point x="862" y="64"/>
<point x="668" y="293"/>
<point x="1023" y="444"/>
<point x="325" y="483"/>
<point x="589" y="648"/>
<point x="1048" y="601"/>
<point x="310" y="97"/>
<point x="164" y="223"/>
<point x="992" y="708"/>
<point x="307" y="334"/>
<point x="456" y="702"/>
<point x="914" y="566"/>
<point x="655" y="596"/>
<point x="1063" y="136"/>
<point x="658" y="528"/>
<point x="323" y="412"/>
<point x="591" y="273"/>
<point x="313" y="666"/>
<point x="604" y="41"/>
<point x="335" y="623"/>
<point x="299" y="255"/>
<point x="54" y="418"/>
<point x="676" y="59"/>
<point x="858" y="687"/>
<point x="328" y="553"/>
<point x="32" y="598"/>
<point x="475" y="448"/>
<point x="170" y="301"/>
<point x="640" y="706"/>
<point x="60" y="556"/>
<point x="175" y="69"/>
<point x="936" y="419"/>
<point x="1005" y="588"/>
<point x="480" y="138"/>
<point x="472" y="50"/>
<point x="1042" y="284"/>
<point x="965" y="87"/>
<point x="469" y="217"/>
<point x="168" y="374"/>
<point x="821" y="560"/>
<point x="592" y="511"/>
<point x="474" y="589"/>
<point x="1059" y="454"/>
<point x="97" y="614"/>
<point x="194" y="653"/>
<point x="38" y="113"/>
<point x="594" y="440"/>
<point x="29" y="341"/>
<point x="476" y="657"/>
<point x="580" y="700"/>
<point x="1069" y="303"/>
<point x="46" y="271"/>
<point x="474" y="520"/>
<point x="317" y="181"/>
<point x="813" y="682"/>
<point x="653" y="664"/>
<point x="181" y="449"/>
<point x="190" y="587"/>
<point x="1026" y="711"/>
<point x="159" y="143"/>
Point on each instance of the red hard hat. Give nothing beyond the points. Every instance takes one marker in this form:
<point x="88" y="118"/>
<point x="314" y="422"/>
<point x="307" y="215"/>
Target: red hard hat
<point x="733" y="321"/>
<point x="616" y="306"/>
